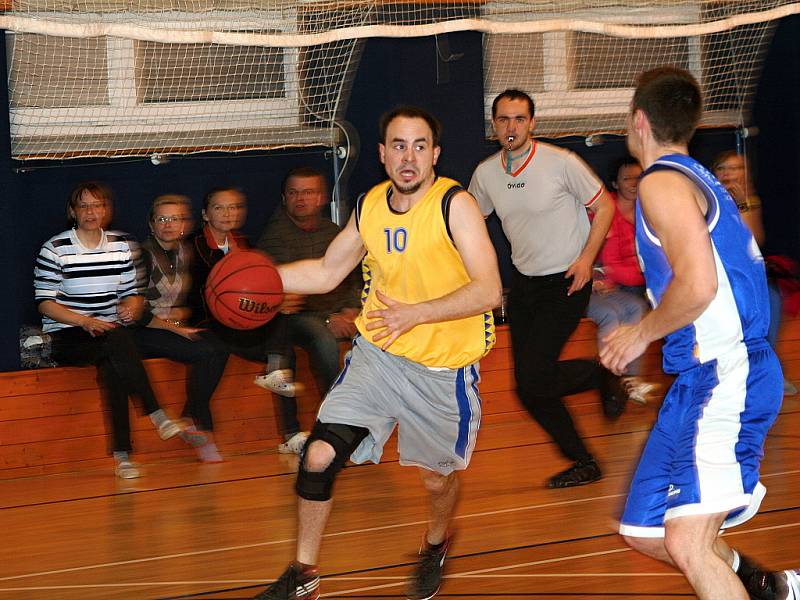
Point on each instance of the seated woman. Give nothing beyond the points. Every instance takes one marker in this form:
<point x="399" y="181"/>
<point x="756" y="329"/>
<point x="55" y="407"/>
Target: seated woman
<point x="164" y="270"/>
<point x="224" y="211"/>
<point x="618" y="292"/>
<point x="85" y="288"/>
<point x="730" y="168"/>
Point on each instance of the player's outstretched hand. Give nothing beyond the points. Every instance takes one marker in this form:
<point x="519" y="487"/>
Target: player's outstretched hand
<point x="620" y="347"/>
<point x="395" y="320"/>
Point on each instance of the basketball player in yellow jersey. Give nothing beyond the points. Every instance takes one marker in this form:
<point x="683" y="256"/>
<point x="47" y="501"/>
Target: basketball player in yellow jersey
<point x="431" y="280"/>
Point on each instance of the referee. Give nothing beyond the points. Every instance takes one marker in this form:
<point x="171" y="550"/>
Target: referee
<point x="541" y="194"/>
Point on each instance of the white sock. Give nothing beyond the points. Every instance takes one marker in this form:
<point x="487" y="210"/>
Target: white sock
<point x="736" y="562"/>
<point x="158" y="417"/>
<point x="120" y="456"/>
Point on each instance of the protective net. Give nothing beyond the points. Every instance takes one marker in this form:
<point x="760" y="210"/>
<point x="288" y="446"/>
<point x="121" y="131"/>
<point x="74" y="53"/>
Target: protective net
<point x="138" y="77"/>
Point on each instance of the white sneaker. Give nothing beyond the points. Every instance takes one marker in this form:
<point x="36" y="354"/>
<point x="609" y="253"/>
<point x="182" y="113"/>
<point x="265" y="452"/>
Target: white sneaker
<point x="637" y="389"/>
<point x="280" y="381"/>
<point x="295" y="444"/>
<point x="127" y="470"/>
<point x="168" y="429"/>
<point x="793" y="584"/>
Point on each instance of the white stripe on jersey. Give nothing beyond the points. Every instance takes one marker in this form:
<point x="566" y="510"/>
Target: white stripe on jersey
<point x="719" y="327"/>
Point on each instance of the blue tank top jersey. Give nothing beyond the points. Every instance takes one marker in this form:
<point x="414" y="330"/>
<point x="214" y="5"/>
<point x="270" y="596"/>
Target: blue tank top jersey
<point x="739" y="313"/>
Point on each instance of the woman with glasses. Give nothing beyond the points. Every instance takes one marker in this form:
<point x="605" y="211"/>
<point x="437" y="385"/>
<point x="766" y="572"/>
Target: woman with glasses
<point x="86" y="290"/>
<point x="165" y="275"/>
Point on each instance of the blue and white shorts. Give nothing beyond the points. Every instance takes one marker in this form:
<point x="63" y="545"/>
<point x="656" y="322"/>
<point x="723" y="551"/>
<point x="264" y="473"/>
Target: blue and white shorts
<point x="704" y="452"/>
<point x="438" y="410"/>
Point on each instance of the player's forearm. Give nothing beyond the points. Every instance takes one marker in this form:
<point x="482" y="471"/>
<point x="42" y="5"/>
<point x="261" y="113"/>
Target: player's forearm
<point x="682" y="303"/>
<point x="474" y="298"/>
<point x="308" y="277"/>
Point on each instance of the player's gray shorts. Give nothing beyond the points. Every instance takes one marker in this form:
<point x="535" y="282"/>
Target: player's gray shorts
<point x="438" y="411"/>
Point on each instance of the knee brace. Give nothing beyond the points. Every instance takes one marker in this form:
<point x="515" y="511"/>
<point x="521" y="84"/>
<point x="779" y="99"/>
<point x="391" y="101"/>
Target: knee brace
<point x="318" y="485"/>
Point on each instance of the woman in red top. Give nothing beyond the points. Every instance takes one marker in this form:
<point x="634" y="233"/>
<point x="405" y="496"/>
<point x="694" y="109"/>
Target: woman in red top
<point x="618" y="287"/>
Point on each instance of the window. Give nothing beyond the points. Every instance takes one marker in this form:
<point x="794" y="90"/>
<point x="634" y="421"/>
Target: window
<point x="112" y="96"/>
<point x="583" y="82"/>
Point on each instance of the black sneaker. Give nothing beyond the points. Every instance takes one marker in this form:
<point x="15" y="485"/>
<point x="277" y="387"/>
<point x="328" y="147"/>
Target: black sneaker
<point x="581" y="473"/>
<point x="760" y="584"/>
<point x="427" y="576"/>
<point x="293" y="585"/>
<point x="613" y="393"/>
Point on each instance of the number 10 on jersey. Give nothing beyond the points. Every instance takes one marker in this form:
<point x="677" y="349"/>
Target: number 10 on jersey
<point x="395" y="239"/>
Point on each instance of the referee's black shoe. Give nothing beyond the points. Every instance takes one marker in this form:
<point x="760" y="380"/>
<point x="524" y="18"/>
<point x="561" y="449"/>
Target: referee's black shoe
<point x="613" y="393"/>
<point x="427" y="576"/>
<point x="580" y="473"/>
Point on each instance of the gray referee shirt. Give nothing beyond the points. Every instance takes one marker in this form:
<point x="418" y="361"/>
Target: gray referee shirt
<point x="542" y="205"/>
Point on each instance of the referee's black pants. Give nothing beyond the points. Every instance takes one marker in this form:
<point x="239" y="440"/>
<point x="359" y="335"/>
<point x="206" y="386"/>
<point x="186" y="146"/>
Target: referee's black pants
<point x="541" y="318"/>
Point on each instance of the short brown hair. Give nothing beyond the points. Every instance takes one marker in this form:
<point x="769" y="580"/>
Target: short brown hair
<point x="95" y="188"/>
<point x="217" y="190"/>
<point x="411" y="112"/>
<point x="513" y="94"/>
<point x="304" y="172"/>
<point x="671" y="99"/>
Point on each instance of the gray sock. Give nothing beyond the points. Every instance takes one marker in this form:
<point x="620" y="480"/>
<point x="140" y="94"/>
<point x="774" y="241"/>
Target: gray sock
<point x="120" y="456"/>
<point x="273" y="362"/>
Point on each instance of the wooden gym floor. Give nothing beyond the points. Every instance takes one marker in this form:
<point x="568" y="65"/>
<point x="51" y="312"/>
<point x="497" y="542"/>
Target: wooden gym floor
<point x="187" y="530"/>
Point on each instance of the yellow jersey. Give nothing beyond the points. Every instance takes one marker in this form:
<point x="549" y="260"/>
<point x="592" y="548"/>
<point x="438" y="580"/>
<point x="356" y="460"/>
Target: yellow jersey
<point x="412" y="258"/>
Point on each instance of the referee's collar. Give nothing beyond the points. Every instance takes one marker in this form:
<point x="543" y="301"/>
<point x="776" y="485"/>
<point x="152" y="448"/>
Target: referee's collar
<point x="514" y="165"/>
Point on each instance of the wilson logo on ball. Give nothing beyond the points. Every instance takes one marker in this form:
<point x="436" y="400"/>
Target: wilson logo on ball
<point x="244" y="290"/>
<point x="251" y="306"/>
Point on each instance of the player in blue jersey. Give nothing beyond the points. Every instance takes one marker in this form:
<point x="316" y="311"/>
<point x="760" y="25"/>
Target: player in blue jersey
<point x="705" y="278"/>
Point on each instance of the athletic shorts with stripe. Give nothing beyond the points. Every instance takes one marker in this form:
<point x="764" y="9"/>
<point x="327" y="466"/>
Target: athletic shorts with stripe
<point x="437" y="411"/>
<point x="704" y="452"/>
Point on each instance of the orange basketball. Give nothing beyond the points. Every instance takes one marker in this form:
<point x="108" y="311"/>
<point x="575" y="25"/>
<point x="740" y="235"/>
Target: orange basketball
<point x="244" y="290"/>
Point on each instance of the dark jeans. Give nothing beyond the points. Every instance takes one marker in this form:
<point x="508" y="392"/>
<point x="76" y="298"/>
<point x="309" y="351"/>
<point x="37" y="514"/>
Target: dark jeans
<point x="541" y="319"/>
<point x="207" y="358"/>
<point x="119" y="363"/>
<point x="254" y="344"/>
<point x="310" y="332"/>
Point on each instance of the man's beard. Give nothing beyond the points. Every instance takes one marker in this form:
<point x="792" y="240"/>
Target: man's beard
<point x="407" y="188"/>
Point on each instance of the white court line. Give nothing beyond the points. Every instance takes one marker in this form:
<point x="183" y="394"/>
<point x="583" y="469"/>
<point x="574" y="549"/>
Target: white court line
<point x="348" y="532"/>
<point x="485" y="572"/>
<point x="348" y="578"/>
<point x="400" y="580"/>
<point x="481" y="572"/>
<point x="289" y="540"/>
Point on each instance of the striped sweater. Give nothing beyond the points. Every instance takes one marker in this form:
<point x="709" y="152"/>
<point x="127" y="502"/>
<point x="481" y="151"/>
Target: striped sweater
<point x="89" y="281"/>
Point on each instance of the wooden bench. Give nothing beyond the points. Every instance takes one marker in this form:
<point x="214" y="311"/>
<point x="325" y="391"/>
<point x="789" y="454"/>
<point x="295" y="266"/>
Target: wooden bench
<point x="53" y="420"/>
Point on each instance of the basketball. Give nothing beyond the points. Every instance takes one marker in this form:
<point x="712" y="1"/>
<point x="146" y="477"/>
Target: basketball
<point x="244" y="290"/>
